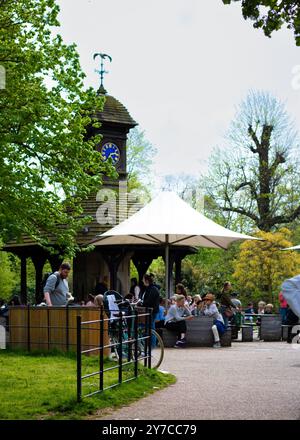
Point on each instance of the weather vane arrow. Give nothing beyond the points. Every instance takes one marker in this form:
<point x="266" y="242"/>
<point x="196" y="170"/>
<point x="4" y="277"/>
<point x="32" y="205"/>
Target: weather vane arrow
<point x="102" y="71"/>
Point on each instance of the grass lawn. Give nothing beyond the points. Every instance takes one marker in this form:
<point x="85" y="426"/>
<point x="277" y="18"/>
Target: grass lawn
<point x="43" y="386"/>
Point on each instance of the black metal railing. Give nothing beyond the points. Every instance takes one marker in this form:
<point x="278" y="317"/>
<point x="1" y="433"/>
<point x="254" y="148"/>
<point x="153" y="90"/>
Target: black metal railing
<point x="127" y="338"/>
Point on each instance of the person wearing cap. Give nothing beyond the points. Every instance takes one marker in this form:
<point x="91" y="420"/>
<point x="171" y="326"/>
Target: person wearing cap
<point x="209" y="308"/>
<point x="177" y="314"/>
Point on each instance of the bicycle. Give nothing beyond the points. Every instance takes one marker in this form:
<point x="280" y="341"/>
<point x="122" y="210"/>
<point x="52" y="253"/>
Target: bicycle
<point x="130" y="350"/>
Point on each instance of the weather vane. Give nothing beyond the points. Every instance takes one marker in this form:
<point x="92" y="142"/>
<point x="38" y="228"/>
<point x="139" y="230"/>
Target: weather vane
<point x="103" y="56"/>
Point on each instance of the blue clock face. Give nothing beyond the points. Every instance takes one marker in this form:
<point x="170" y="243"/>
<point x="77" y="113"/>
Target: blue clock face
<point x="110" y="150"/>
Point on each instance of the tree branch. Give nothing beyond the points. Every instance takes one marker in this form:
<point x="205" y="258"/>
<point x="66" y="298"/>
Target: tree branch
<point x="242" y="211"/>
<point x="252" y="134"/>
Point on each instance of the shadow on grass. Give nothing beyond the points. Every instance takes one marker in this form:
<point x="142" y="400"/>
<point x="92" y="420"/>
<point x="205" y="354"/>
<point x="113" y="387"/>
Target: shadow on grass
<point x="42" y="385"/>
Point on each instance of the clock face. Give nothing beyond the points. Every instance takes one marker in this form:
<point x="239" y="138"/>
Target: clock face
<point x="110" y="150"/>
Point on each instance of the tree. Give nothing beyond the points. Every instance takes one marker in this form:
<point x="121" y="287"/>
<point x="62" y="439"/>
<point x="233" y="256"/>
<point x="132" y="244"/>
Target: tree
<point x="47" y="163"/>
<point x="256" y="175"/>
<point x="271" y="15"/>
<point x="261" y="266"/>
<point x="7" y="276"/>
<point x="188" y="188"/>
<point x="140" y="154"/>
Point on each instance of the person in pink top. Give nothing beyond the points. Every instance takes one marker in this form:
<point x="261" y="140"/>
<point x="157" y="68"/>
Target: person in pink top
<point x="282" y="306"/>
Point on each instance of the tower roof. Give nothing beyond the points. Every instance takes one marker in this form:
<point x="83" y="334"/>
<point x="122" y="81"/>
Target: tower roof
<point x="114" y="111"/>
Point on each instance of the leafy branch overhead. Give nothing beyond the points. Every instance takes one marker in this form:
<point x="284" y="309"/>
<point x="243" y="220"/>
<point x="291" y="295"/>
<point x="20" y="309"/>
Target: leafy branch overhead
<point x="47" y="163"/>
<point x="271" y="15"/>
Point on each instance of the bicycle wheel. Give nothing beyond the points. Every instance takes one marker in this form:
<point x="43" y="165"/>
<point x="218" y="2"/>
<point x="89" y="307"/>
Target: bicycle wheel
<point x="157" y="350"/>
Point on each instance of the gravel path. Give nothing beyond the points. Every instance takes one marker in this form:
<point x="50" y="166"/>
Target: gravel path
<point x="252" y="381"/>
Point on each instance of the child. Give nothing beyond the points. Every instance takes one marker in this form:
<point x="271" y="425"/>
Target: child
<point x="159" y="318"/>
<point x="269" y="309"/>
<point x="249" y="311"/>
<point x="177" y="314"/>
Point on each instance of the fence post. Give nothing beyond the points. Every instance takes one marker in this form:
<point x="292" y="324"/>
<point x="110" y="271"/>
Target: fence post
<point x="67" y="327"/>
<point x="28" y="327"/>
<point x="48" y="329"/>
<point x="150" y="338"/>
<point x="136" y="343"/>
<point x="78" y="358"/>
<point x="101" y="347"/>
<point x="146" y="335"/>
<point x="120" y="346"/>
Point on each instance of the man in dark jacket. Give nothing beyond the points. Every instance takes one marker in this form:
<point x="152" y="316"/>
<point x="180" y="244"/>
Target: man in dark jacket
<point x="151" y="295"/>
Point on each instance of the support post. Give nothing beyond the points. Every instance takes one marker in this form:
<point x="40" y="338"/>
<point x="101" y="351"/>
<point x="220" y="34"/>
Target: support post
<point x="178" y="262"/>
<point x="23" y="279"/>
<point x="78" y="322"/>
<point x="39" y="262"/>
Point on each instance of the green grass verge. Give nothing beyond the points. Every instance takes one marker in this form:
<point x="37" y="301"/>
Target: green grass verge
<point x="43" y="386"/>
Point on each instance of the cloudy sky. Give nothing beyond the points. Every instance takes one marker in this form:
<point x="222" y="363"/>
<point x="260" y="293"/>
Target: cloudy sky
<point x="181" y="67"/>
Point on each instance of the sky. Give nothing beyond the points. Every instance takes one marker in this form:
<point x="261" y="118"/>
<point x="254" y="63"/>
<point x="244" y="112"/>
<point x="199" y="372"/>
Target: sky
<point x="181" y="67"/>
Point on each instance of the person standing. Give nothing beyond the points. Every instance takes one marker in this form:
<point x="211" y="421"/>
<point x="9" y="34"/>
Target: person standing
<point x="135" y="289"/>
<point x="151" y="295"/>
<point x="57" y="288"/>
<point x="225" y="303"/>
<point x="101" y="287"/>
<point x="282" y="306"/>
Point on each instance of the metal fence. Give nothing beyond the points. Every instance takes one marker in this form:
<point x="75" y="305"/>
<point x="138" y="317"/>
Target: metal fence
<point x="127" y="336"/>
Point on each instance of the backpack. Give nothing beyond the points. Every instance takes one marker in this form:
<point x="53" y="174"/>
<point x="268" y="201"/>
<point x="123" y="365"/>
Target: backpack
<point x="46" y="276"/>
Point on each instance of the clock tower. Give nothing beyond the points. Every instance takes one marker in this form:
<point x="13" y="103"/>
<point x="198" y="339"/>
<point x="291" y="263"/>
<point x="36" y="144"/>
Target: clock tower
<point x="111" y="203"/>
<point x="115" y="125"/>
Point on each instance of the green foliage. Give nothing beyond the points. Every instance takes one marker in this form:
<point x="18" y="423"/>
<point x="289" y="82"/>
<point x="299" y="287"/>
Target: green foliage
<point x="43" y="386"/>
<point x="208" y="269"/>
<point x="271" y="15"/>
<point x="7" y="276"/>
<point x="47" y="164"/>
<point x="261" y="266"/>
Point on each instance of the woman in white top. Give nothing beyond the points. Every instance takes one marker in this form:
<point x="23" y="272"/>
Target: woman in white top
<point x="135" y="289"/>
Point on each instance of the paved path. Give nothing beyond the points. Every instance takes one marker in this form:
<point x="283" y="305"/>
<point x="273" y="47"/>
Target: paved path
<point x="253" y="381"/>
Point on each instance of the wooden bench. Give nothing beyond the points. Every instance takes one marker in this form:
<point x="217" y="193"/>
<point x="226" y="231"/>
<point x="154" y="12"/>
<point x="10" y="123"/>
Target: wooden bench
<point x="199" y="334"/>
<point x="270" y="328"/>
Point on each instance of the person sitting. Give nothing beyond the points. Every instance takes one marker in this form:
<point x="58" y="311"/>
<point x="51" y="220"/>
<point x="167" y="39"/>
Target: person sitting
<point x="269" y="309"/>
<point x="209" y="308"/>
<point x="159" y="318"/>
<point x="195" y="307"/>
<point x="249" y="311"/>
<point x="260" y="311"/>
<point x="189" y="299"/>
<point x="181" y="290"/>
<point x="177" y="314"/>
<point x="261" y="307"/>
<point x="90" y="302"/>
<point x="98" y="301"/>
